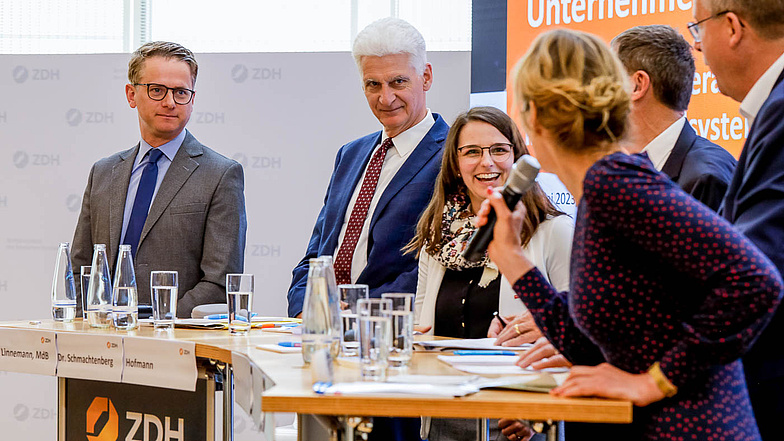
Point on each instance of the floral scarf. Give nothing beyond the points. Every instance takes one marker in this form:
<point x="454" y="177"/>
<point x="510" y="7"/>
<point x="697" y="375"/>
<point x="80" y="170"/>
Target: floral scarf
<point x="457" y="226"/>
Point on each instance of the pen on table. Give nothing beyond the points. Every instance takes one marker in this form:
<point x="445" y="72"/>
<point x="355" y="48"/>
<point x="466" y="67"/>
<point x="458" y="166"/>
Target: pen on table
<point x="223" y="316"/>
<point x="290" y="344"/>
<point x="479" y="352"/>
<point x="500" y="319"/>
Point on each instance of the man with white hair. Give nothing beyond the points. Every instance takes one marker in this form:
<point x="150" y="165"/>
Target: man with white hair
<point x="381" y="182"/>
<point x="743" y="43"/>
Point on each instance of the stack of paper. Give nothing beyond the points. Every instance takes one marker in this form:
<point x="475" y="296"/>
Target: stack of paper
<point x="223" y="323"/>
<point x="504" y="367"/>
<point x="468" y="343"/>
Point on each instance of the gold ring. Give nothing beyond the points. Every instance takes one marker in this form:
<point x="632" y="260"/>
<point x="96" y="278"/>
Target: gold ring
<point x="517" y="329"/>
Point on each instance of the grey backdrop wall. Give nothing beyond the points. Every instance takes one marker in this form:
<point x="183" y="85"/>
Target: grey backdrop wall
<point x="283" y="116"/>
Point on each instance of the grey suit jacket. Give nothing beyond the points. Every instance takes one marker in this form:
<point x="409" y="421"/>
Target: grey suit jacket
<point x="196" y="224"/>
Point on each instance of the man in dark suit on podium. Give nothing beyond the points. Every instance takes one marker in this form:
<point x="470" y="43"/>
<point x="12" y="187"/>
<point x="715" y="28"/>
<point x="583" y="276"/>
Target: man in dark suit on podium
<point x="179" y="204"/>
<point x="381" y="182"/>
<point x="661" y="69"/>
<point x="743" y="43"/>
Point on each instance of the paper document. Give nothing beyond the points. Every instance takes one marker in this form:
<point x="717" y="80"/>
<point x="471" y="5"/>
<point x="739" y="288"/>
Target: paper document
<point x="203" y="323"/>
<point x="479" y="360"/>
<point x="468" y="343"/>
<point x="368" y="387"/>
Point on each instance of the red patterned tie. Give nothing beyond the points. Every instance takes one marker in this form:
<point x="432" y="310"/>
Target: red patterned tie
<point x="359" y="213"/>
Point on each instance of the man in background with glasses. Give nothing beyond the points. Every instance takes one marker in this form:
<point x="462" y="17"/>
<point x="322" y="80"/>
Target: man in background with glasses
<point x="743" y="43"/>
<point x="179" y="204"/>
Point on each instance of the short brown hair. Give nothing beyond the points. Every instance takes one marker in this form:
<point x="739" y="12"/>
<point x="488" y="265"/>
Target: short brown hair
<point x="666" y="57"/>
<point x="577" y="85"/>
<point x="163" y="49"/>
<point x="449" y="182"/>
<point x="765" y="16"/>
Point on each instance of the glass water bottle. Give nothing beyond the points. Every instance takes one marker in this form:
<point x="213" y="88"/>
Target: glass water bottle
<point x="63" y="287"/>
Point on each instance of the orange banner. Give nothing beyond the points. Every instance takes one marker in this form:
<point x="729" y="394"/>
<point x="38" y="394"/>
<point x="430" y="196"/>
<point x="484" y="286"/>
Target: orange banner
<point x="713" y="115"/>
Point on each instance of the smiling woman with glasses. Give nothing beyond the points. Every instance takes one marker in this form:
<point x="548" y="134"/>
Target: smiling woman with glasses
<point x="456" y="298"/>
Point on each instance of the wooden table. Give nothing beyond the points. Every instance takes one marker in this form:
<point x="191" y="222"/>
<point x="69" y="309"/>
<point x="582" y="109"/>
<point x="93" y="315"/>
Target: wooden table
<point x="292" y="391"/>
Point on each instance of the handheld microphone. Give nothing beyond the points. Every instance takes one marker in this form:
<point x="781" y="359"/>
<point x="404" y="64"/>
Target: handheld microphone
<point x="520" y="180"/>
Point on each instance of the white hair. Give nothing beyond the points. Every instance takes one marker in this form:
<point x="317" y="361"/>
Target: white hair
<point x="389" y="36"/>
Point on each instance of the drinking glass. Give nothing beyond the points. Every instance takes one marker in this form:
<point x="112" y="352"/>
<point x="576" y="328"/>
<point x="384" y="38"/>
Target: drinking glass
<point x="375" y="337"/>
<point x="163" y="285"/>
<point x="84" y="276"/>
<point x="349" y="338"/>
<point x="402" y="328"/>
<point x="239" y="296"/>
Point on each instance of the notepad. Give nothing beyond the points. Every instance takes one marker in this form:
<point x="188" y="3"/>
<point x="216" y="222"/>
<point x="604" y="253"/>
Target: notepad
<point x="468" y="343"/>
<point x="493" y="365"/>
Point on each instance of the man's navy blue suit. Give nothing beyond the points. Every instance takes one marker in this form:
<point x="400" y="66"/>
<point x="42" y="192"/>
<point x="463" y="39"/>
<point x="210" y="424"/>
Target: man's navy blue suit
<point x="700" y="167"/>
<point x="755" y="205"/>
<point x="394" y="219"/>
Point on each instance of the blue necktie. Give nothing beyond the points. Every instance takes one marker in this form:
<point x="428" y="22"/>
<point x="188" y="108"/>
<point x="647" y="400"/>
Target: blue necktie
<point x="141" y="205"/>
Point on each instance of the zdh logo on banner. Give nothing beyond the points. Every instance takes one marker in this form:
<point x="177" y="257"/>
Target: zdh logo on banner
<point x="102" y="420"/>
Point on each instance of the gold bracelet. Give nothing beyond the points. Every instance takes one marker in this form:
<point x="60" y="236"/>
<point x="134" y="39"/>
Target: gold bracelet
<point x="662" y="382"/>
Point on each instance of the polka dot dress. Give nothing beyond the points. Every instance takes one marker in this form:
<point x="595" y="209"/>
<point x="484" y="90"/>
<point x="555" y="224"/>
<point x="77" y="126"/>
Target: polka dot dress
<point x="657" y="276"/>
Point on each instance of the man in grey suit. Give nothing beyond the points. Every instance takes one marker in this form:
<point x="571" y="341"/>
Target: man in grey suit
<point x="179" y="204"/>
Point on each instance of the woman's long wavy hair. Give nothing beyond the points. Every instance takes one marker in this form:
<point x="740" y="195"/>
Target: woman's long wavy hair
<point x="449" y="182"/>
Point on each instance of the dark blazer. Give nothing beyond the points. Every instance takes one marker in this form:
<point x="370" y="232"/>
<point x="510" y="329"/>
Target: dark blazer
<point x="755" y="205"/>
<point x="196" y="224"/>
<point x="394" y="220"/>
<point x="700" y="167"/>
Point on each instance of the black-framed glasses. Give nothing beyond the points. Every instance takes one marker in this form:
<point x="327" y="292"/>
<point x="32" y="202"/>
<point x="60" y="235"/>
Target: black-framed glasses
<point x="158" y="92"/>
<point x="694" y="28"/>
<point x="499" y="151"/>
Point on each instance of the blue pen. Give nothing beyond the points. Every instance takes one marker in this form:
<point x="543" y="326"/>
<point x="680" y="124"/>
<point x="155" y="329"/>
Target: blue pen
<point x="290" y="344"/>
<point x="224" y="316"/>
<point x="472" y="352"/>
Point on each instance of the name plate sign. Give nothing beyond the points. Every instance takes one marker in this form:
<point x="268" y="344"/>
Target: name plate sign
<point x="28" y="351"/>
<point x="161" y="363"/>
<point x="92" y="357"/>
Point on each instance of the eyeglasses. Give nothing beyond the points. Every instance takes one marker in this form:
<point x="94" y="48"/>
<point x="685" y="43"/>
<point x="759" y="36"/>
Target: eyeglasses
<point x="158" y="92"/>
<point x="499" y="152"/>
<point x="694" y="28"/>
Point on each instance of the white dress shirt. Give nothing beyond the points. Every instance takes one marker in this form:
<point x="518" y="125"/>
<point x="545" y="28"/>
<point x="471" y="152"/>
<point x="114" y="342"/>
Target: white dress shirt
<point x="660" y="147"/>
<point x="761" y="90"/>
<point x="404" y="144"/>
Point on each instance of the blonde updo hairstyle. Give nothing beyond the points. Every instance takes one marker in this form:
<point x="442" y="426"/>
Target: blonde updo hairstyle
<point x="579" y="89"/>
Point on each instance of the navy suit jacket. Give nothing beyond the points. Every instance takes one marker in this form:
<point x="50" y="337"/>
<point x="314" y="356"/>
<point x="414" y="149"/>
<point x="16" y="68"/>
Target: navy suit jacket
<point x="394" y="219"/>
<point x="700" y="167"/>
<point x="755" y="205"/>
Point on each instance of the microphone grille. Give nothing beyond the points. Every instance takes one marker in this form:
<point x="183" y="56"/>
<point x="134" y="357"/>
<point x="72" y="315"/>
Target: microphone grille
<point x="523" y="174"/>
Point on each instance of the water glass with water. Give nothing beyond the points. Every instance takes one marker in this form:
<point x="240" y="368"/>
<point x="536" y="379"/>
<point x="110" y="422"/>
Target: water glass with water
<point x="163" y="286"/>
<point x="375" y="337"/>
<point x="63" y="289"/>
<point x="349" y="335"/>
<point x="402" y="329"/>
<point x="84" y="277"/>
<point x="125" y="297"/>
<point x="239" y="296"/>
